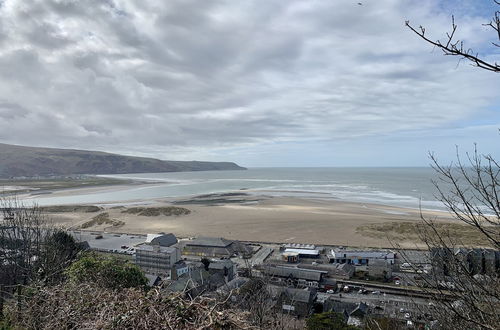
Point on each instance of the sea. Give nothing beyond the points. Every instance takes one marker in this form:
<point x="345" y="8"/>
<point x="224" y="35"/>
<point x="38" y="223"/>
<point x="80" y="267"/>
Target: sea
<point x="401" y="187"/>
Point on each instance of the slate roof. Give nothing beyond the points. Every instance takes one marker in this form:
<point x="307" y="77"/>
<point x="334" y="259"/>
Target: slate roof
<point x="219" y="265"/>
<point x="297" y="273"/>
<point x="338" y="306"/>
<point x="161" y="239"/>
<point x="209" y="242"/>
<point x="152" y="279"/>
<point x="299" y="295"/>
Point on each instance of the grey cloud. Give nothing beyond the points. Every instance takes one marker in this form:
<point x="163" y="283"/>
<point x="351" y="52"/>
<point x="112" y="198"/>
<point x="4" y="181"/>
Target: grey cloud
<point x="121" y="75"/>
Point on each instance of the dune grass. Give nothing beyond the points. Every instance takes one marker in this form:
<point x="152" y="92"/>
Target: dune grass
<point x="102" y="219"/>
<point x="157" y="211"/>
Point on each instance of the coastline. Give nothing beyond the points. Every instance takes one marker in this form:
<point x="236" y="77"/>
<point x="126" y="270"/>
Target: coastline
<point x="259" y="218"/>
<point x="245" y="214"/>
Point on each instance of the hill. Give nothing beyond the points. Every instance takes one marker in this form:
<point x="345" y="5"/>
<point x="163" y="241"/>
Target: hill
<point x="21" y="161"/>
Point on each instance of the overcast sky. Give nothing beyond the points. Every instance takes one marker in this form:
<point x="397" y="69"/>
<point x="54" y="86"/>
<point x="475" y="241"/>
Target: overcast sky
<point x="261" y="83"/>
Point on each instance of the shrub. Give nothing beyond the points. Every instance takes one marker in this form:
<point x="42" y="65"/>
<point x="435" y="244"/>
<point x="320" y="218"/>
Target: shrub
<point x="107" y="272"/>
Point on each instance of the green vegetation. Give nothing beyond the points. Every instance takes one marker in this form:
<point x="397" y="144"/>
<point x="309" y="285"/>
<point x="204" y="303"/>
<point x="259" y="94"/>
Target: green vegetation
<point x="156" y="211"/>
<point x="410" y="231"/>
<point x="328" y="321"/>
<point x="71" y="208"/>
<point x="44" y="185"/>
<point x="60" y="249"/>
<point x="102" y="219"/>
<point x="106" y="272"/>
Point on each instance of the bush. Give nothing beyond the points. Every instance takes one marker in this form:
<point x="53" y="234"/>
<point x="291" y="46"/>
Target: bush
<point x="107" y="272"/>
<point x="328" y="321"/>
<point x="87" y="306"/>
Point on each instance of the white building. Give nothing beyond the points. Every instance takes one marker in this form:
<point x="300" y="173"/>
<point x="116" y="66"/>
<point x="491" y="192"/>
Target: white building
<point x="156" y="260"/>
<point x="360" y="257"/>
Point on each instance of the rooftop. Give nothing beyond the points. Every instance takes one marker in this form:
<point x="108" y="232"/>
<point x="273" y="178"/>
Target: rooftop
<point x="220" y="264"/>
<point x="298" y="273"/>
<point x="210" y="241"/>
<point x="299" y="295"/>
<point x="303" y="251"/>
<point x="161" y="239"/>
<point x="163" y="249"/>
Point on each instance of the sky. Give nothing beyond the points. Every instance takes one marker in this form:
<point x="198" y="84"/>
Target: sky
<point x="261" y="83"/>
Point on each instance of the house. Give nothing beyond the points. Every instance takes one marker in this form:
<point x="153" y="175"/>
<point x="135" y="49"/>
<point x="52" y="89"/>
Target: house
<point x="379" y="269"/>
<point x="339" y="306"/>
<point x="196" y="281"/>
<point x="357" y="316"/>
<point x="182" y="267"/>
<point x="340" y="271"/>
<point x="298" y="302"/>
<point x="477" y="261"/>
<point x="156" y="260"/>
<point x="293" y="276"/>
<point x="216" y="247"/>
<point x="161" y="239"/>
<point x="224" y="267"/>
<point x="153" y="280"/>
<point x="234" y="284"/>
<point x="360" y="257"/>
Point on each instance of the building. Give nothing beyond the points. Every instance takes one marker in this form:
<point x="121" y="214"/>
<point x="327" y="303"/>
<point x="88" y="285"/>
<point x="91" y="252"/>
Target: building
<point x="161" y="239"/>
<point x="476" y="261"/>
<point x="379" y="269"/>
<point x="153" y="280"/>
<point x="294" y="277"/>
<point x="224" y="267"/>
<point x="303" y="253"/>
<point x="215" y="247"/>
<point x="339" y="271"/>
<point x="357" y="316"/>
<point x="290" y="257"/>
<point x="197" y="281"/>
<point x="182" y="267"/>
<point x="298" y="246"/>
<point x="360" y="257"/>
<point x="156" y="259"/>
<point x="292" y="301"/>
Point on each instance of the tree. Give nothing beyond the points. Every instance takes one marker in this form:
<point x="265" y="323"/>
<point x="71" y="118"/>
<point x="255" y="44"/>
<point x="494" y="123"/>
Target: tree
<point x="107" y="272"/>
<point x="59" y="250"/>
<point x="31" y="250"/>
<point x="455" y="47"/>
<point x="465" y="280"/>
<point x="23" y="232"/>
<point x="464" y="283"/>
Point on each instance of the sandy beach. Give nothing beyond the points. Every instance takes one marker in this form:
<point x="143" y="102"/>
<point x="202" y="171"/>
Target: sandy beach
<point x="259" y="218"/>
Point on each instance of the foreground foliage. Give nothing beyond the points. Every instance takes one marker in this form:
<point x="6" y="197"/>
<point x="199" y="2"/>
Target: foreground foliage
<point x="328" y="321"/>
<point x="107" y="272"/>
<point x="89" y="306"/>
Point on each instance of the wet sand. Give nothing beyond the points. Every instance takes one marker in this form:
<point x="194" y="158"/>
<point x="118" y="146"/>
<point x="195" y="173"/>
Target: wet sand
<point x="269" y="219"/>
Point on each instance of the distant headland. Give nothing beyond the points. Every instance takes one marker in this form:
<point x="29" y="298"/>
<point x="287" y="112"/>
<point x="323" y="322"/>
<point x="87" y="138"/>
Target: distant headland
<point x="21" y="161"/>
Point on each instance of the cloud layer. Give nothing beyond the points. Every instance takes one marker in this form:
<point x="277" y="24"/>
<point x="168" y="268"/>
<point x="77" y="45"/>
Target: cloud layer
<point x="201" y="79"/>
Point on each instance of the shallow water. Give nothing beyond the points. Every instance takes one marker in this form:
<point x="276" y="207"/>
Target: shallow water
<point x="404" y="187"/>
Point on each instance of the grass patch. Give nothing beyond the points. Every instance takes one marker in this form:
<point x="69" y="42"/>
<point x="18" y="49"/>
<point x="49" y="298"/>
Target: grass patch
<point x="71" y="208"/>
<point x="102" y="219"/>
<point x="157" y="211"/>
<point x="49" y="184"/>
<point x="411" y="231"/>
